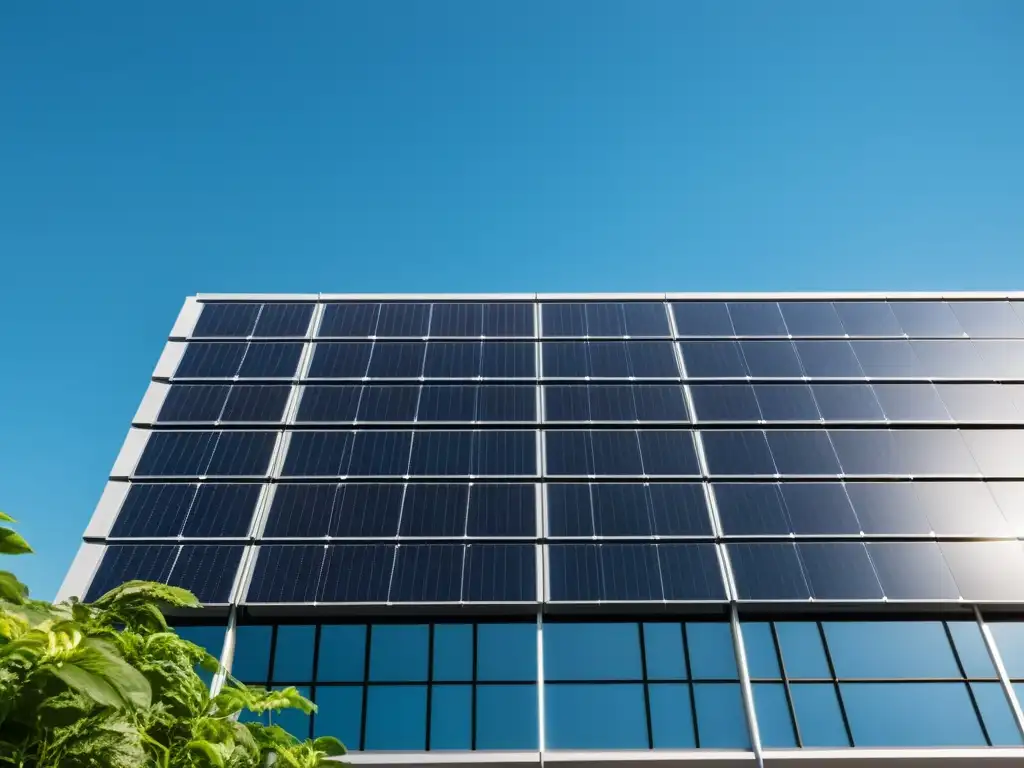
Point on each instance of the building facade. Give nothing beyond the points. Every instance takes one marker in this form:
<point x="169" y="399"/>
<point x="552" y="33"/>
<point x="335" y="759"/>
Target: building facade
<point x="736" y="530"/>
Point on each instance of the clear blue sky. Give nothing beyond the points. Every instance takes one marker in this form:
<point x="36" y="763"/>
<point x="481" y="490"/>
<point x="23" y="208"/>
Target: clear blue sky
<point x="149" y="151"/>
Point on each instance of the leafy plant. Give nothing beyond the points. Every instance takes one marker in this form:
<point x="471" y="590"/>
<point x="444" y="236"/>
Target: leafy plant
<point x="110" y="685"/>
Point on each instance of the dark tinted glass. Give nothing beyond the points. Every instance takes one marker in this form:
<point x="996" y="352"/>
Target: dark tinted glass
<point x="324" y="454"/>
<point x="738" y="453"/>
<point x="411" y="320"/>
<point x="868" y="318"/>
<point x="271" y="360"/>
<point x="447" y="403"/>
<point x="502" y="510"/>
<point x="283" y="320"/>
<point x="380" y="454"/>
<point x="227" y="319"/>
<point x="944" y="715"/>
<point x="402" y="359"/>
<point x="342" y="360"/>
<point x="211" y="360"/>
<point x="811" y="318"/>
<point x="847" y="402"/>
<point x="988" y="319"/>
<point x="457" y="320"/>
<point x="453" y="360"/>
<point x="829" y="359"/>
<point x="771" y="359"/>
<point x="702" y="318"/>
<point x="713" y="359"/>
<point x="786" y="402"/>
<point x="349" y="319"/>
<point x="757" y="318"/>
<point x="725" y="402"/>
<point x="194" y="403"/>
<point x="890" y="649"/>
<point x="926" y="318"/>
<point x="388" y="403"/>
<point x="256" y="403"/>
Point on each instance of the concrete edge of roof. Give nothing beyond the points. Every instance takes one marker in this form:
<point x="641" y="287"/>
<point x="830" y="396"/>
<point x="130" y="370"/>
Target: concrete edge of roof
<point x="623" y="296"/>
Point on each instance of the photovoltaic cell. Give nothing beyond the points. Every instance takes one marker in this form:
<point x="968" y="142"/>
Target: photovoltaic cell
<point x="427" y="573"/>
<point x="457" y="319"/>
<point x="509" y="320"/>
<point x="380" y="454"/>
<point x="286" y="573"/>
<point x="757" y="318"/>
<point x="326" y="403"/>
<point x="441" y="454"/>
<point x="447" y="403"/>
<point x="811" y="318"/>
<point x="868" y="318"/>
<point x="403" y="320"/>
<point x="453" y="360"/>
<point x="270" y="360"/>
<point x="668" y="452"/>
<point x="318" y="454"/>
<point x="348" y="320"/>
<point x="225" y="320"/>
<point x="436" y="510"/>
<point x="283" y="320"/>
<point x="502" y="510"/>
<point x="912" y="571"/>
<point x="208" y="571"/>
<point x="766" y="571"/>
<point x="506" y="403"/>
<point x="508" y="360"/>
<point x="949" y="359"/>
<point x="725" y="402"/>
<point x="713" y="360"/>
<point x="911" y="402"/>
<point x="241" y="454"/>
<point x="153" y="510"/>
<point x="356" y="573"/>
<point x="340" y="360"/>
<point x="839" y="571"/>
<point x="887" y="359"/>
<point x="256" y="403"/>
<point x="364" y="510"/>
<point x="847" y="402"/>
<point x="786" y="402"/>
<point x="922" y="319"/>
<point x="980" y="403"/>
<point x="703" y="319"/>
<point x="988" y="319"/>
<point x="193" y="403"/>
<point x="738" y="453"/>
<point x="986" y="570"/>
<point x="802" y="452"/>
<point x="177" y="454"/>
<point x="222" y="510"/>
<point x="211" y="360"/>
<point x="508" y="452"/>
<point x="500" y="573"/>
<point x="397" y="360"/>
<point x="829" y="359"/>
<point x="389" y="403"/>
<point x="771" y="359"/>
<point x="121" y="563"/>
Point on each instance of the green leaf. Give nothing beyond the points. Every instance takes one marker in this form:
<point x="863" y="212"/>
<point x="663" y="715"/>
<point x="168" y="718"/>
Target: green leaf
<point x="329" y="746"/>
<point x="101" y="658"/>
<point x="11" y="543"/>
<point x="210" y="751"/>
<point x="5" y="518"/>
<point x="89" y="684"/>
<point x="64" y="709"/>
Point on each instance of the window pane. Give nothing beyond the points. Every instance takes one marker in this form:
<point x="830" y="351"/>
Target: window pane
<point x="339" y="714"/>
<point x="295" y="721"/>
<point x="595" y="716"/>
<point x="896" y="649"/>
<point x="720" y="719"/>
<point x="663" y="649"/>
<point x="293" y="654"/>
<point x="970" y="647"/>
<point x="453" y="652"/>
<point x="762" y="659"/>
<point x="1009" y="637"/>
<point x="396" y="718"/>
<point x="451" y="720"/>
<point x="671" y="716"/>
<point x="711" y="651"/>
<point x="996" y="714"/>
<point x="342" y="653"/>
<point x="591" y="651"/>
<point x="818" y="715"/>
<point x="911" y="715"/>
<point x="506" y="717"/>
<point x="398" y="652"/>
<point x="802" y="651"/>
<point x="506" y="652"/>
<point x="773" y="718"/>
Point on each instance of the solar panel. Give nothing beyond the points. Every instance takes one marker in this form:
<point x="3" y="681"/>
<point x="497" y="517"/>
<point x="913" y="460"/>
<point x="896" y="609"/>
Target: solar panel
<point x="226" y="319"/>
<point x="194" y="403"/>
<point x="206" y="570"/>
<point x="270" y="360"/>
<point x="283" y="321"/>
<point x="204" y="360"/>
<point x="348" y="320"/>
<point x="209" y="510"/>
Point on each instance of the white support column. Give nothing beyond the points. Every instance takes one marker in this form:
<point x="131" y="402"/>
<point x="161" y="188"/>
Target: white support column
<point x="227" y="653"/>
<point x="1004" y="678"/>
<point x="745" y="685"/>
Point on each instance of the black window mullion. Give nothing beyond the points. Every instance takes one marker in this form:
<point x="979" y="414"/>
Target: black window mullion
<point x="835" y="682"/>
<point x="313" y="687"/>
<point x="970" y="690"/>
<point x="689" y="685"/>
<point x="785" y="684"/>
<point x="430" y="676"/>
<point x="273" y="651"/>
<point x="366" y="685"/>
<point x="647" y="693"/>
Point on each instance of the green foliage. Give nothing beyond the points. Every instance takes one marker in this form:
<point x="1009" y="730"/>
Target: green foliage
<point x="110" y="685"/>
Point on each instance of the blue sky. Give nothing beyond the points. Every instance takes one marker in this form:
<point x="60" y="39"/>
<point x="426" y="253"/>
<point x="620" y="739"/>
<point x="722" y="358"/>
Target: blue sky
<point x="151" y="151"/>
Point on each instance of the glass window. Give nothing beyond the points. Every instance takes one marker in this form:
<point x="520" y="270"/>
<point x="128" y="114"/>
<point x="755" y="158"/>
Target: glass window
<point x="996" y="714"/>
<point x="884" y="649"/>
<point x="773" y="718"/>
<point x="970" y="647"/>
<point x="506" y="652"/>
<point x="398" y="653"/>
<point x="293" y="654"/>
<point x="295" y="721"/>
<point x="506" y="717"/>
<point x="396" y="717"/>
<point x="671" y="716"/>
<point x="802" y="651"/>
<point x="1009" y="637"/>
<point x="818" y="715"/>
<point x="251" y="662"/>
<point x="342" y="653"/>
<point x="339" y="713"/>
<point x="711" y="651"/>
<point x="592" y="651"/>
<point x="911" y="715"/>
<point x="605" y="716"/>
<point x="663" y="649"/>
<point x="453" y="652"/>
<point x="721" y="722"/>
<point x="451" y="720"/>
<point x="762" y="660"/>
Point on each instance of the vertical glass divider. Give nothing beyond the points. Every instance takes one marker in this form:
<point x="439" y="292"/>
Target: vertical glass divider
<point x="1004" y="678"/>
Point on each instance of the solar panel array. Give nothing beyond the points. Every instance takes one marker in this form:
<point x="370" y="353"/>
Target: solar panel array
<point x="586" y="452"/>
